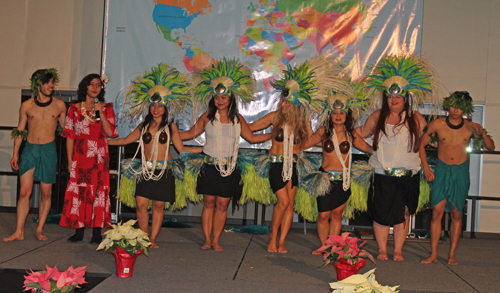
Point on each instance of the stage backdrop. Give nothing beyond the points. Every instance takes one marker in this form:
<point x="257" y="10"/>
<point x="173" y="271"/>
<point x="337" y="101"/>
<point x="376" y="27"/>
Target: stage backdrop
<point x="267" y="35"/>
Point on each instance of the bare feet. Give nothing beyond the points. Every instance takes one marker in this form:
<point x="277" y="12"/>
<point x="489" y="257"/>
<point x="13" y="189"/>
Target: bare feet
<point x="206" y="246"/>
<point x="41" y="237"/>
<point x="398" y="256"/>
<point x="281" y="248"/>
<point x="154" y="245"/>
<point x="271" y="246"/>
<point x="217" y="247"/>
<point x="430" y="259"/>
<point x="317" y="252"/>
<point x="15" y="236"/>
<point x="451" y="260"/>
<point x="382" y="255"/>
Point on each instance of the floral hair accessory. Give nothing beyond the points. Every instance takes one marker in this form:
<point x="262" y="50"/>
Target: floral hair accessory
<point x="164" y="85"/>
<point x="227" y="76"/>
<point x="47" y="74"/>
<point x="460" y="100"/>
<point x="104" y="80"/>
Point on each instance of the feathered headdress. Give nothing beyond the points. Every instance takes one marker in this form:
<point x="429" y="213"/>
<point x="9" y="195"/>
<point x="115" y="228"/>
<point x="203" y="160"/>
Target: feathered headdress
<point x="164" y="85"/>
<point x="460" y="100"/>
<point x="308" y="84"/>
<point x="402" y="75"/>
<point x="227" y="76"/>
<point x="36" y="79"/>
<point x="344" y="96"/>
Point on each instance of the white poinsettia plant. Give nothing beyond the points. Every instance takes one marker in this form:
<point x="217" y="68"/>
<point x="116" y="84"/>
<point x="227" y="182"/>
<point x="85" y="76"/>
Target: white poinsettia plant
<point x="364" y="283"/>
<point x="127" y="237"/>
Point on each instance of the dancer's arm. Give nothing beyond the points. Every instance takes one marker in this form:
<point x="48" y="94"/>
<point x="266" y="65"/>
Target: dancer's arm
<point x="132" y="137"/>
<point x="248" y="135"/>
<point x="314" y="139"/>
<point x="197" y="129"/>
<point x="368" y="128"/>
<point x="361" y="144"/>
<point x="262" y="123"/>
<point x="177" y="141"/>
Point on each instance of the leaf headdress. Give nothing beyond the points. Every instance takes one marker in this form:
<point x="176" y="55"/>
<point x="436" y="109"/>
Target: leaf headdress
<point x="36" y="80"/>
<point x="164" y="85"/>
<point x="402" y="75"/>
<point x="460" y="100"/>
<point x="226" y="76"/>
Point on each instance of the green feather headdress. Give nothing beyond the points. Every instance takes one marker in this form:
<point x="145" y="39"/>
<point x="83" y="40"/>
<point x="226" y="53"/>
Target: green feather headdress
<point x="346" y="95"/>
<point x="36" y="81"/>
<point x="459" y="100"/>
<point x="225" y="76"/>
<point x="164" y="85"/>
<point x="308" y="84"/>
<point x="402" y="75"/>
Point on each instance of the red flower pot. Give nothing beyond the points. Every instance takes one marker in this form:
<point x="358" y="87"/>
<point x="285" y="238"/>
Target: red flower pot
<point x="344" y="269"/>
<point x="125" y="262"/>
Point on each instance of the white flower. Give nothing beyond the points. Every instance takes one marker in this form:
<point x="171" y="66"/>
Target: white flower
<point x="361" y="283"/>
<point x="104" y="78"/>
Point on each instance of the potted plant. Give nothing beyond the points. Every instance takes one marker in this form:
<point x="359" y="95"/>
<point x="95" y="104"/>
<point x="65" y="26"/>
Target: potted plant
<point x="345" y="254"/>
<point x="126" y="243"/>
<point x="53" y="281"/>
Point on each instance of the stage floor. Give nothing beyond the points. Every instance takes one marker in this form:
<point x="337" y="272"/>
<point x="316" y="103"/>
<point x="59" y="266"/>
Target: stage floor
<point x="179" y="265"/>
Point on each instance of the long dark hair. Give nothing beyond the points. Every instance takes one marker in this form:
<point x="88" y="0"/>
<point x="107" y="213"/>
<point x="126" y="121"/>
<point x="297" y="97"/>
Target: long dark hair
<point x="149" y="118"/>
<point x="82" y="87"/>
<point x="414" y="137"/>
<point x="348" y="124"/>
<point x="232" y="111"/>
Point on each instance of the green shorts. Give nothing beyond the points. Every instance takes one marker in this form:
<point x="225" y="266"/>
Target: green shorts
<point x="42" y="157"/>
<point x="452" y="181"/>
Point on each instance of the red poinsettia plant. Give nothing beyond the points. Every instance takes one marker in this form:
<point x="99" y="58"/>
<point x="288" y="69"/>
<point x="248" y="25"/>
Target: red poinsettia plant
<point x="344" y="247"/>
<point x="54" y="281"/>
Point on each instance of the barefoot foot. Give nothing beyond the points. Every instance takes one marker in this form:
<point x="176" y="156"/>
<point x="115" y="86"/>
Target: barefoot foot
<point x="41" y="237"/>
<point x="382" y="255"/>
<point x="206" y="246"/>
<point x="271" y="246"/>
<point x="153" y="245"/>
<point x="217" y="247"/>
<point x="430" y="259"/>
<point x="281" y="248"/>
<point x="451" y="260"/>
<point x="15" y="236"/>
<point x="398" y="256"/>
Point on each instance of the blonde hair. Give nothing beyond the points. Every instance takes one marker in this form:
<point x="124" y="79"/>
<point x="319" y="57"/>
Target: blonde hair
<point x="298" y="120"/>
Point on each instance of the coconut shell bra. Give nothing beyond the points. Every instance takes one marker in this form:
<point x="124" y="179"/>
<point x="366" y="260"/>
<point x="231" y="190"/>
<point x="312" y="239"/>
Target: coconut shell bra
<point x="343" y="146"/>
<point x="279" y="135"/>
<point x="147" y="137"/>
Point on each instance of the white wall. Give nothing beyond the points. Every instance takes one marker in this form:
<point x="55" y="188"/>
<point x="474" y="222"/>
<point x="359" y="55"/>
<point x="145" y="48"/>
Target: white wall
<point x="461" y="39"/>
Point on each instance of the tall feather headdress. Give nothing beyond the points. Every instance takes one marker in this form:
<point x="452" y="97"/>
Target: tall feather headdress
<point x="401" y="75"/>
<point x="308" y="84"/>
<point x="226" y="76"/>
<point x="164" y="85"/>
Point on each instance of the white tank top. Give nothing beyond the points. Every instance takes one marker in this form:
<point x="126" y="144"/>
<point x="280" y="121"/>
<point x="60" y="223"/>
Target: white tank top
<point x="227" y="142"/>
<point x="408" y="160"/>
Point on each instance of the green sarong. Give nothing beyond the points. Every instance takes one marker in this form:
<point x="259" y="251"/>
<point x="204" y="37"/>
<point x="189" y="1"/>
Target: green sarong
<point x="42" y="157"/>
<point x="452" y="181"/>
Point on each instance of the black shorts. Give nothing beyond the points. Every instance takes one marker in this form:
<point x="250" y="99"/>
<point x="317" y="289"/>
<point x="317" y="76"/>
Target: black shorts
<point x="161" y="190"/>
<point x="276" y="179"/>
<point x="389" y="195"/>
<point x="335" y="198"/>
<point x="211" y="182"/>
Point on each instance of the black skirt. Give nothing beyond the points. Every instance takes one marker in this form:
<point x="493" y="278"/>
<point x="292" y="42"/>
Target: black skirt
<point x="333" y="199"/>
<point x="211" y="182"/>
<point x="161" y="190"/>
<point x="389" y="195"/>
<point x="276" y="179"/>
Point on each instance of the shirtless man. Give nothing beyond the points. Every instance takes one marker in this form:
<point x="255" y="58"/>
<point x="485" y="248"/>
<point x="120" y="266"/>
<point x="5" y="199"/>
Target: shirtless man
<point x="38" y="160"/>
<point x="451" y="182"/>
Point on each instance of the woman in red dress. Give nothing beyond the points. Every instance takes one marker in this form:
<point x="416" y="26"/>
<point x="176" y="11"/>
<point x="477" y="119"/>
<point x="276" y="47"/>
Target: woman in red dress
<point x="86" y="203"/>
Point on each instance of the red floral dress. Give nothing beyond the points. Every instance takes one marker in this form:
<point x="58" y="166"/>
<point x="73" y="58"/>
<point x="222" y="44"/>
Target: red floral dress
<point x="86" y="203"/>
